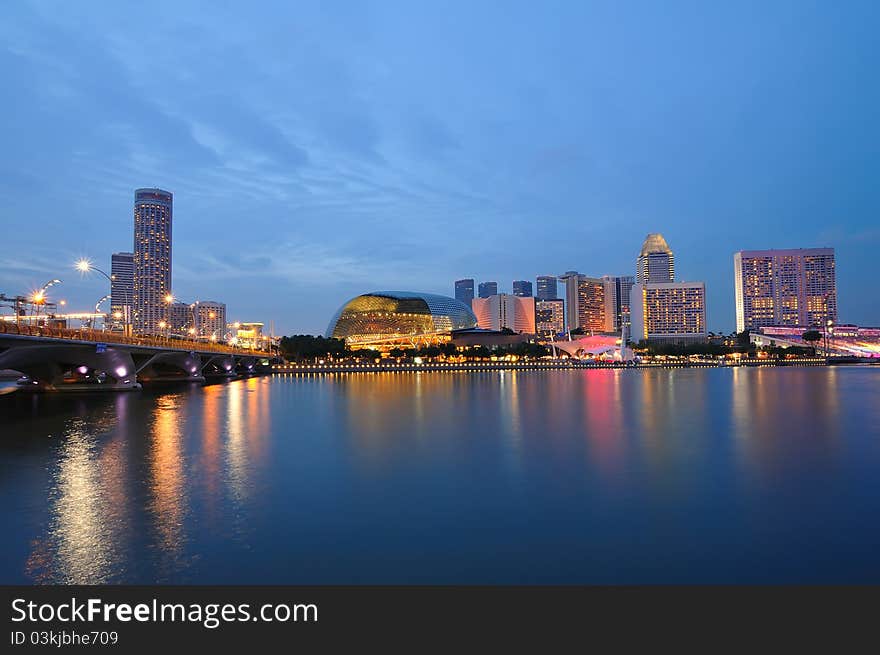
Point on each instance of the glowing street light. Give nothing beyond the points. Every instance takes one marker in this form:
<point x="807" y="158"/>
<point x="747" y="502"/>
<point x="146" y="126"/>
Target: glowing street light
<point x="85" y="265"/>
<point x="169" y="298"/>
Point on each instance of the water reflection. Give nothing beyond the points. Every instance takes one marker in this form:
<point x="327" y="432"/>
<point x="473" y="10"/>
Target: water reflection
<point x="88" y="514"/>
<point x="520" y="476"/>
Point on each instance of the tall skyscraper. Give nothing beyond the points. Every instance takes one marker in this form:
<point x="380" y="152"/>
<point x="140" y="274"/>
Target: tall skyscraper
<point x="487" y="289"/>
<point x="505" y="311"/>
<point x="210" y="319"/>
<point x="617" y="293"/>
<point x="656" y="263"/>
<point x="546" y="287"/>
<point x="669" y="312"/>
<point x="152" y="258"/>
<point x="549" y="317"/>
<point x="464" y="291"/>
<point x="121" y="289"/>
<point x="795" y="287"/>
<point x="522" y="288"/>
<point x="585" y="302"/>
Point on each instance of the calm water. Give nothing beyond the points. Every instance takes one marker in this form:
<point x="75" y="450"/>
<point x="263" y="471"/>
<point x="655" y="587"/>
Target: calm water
<point x="751" y="475"/>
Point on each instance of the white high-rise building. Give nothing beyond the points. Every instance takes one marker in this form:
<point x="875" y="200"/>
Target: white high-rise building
<point x="152" y="259"/>
<point x="210" y="319"/>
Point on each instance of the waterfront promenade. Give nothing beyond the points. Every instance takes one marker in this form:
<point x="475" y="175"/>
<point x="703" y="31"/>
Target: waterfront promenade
<point x="538" y="365"/>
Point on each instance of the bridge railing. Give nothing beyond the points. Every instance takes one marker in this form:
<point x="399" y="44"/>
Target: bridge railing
<point x="88" y="334"/>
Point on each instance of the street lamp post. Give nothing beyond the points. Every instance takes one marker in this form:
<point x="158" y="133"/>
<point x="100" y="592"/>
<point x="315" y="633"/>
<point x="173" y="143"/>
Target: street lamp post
<point x="86" y="266"/>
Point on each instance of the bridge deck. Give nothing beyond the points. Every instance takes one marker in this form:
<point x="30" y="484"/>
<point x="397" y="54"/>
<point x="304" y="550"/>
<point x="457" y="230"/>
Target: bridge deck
<point x="88" y="336"/>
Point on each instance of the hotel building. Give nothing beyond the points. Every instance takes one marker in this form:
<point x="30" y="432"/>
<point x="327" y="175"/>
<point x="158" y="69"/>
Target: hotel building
<point x="669" y="312"/>
<point x="585" y="302"/>
<point x="617" y="294"/>
<point x="210" y="319"/>
<point x="549" y="317"/>
<point x="794" y="287"/>
<point x="152" y="259"/>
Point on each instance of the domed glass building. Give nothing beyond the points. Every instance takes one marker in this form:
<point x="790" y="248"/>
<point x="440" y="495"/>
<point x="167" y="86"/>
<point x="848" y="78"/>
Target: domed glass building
<point x="399" y="318"/>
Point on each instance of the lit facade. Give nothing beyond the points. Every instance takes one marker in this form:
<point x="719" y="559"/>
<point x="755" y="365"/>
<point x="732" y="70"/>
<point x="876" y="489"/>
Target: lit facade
<point x="617" y="293"/>
<point x="670" y="312"/>
<point x="121" y="289"/>
<point x="151" y="281"/>
<point x="655" y="263"/>
<point x="248" y="335"/>
<point x="464" y="291"/>
<point x="795" y="287"/>
<point x="549" y="317"/>
<point x="487" y="289"/>
<point x="546" y="287"/>
<point x="405" y="318"/>
<point x="210" y="317"/>
<point x="585" y="302"/>
<point x="522" y="288"/>
<point x="501" y="311"/>
<point x="180" y="318"/>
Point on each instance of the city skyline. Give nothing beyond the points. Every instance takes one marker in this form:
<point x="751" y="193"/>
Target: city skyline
<point x="581" y="134"/>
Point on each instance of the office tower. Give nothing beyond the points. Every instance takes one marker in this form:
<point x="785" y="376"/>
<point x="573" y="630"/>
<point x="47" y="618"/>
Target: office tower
<point x="794" y="287"/>
<point x="546" y="287"/>
<point x="549" y="317"/>
<point x="585" y="302"/>
<point x="617" y="292"/>
<point x="487" y="289"/>
<point x="522" y="288"/>
<point x="669" y="312"/>
<point x="210" y="319"/>
<point x="464" y="291"/>
<point x="180" y="318"/>
<point x="505" y="311"/>
<point x="152" y="258"/>
<point x="121" y="289"/>
<point x="656" y="263"/>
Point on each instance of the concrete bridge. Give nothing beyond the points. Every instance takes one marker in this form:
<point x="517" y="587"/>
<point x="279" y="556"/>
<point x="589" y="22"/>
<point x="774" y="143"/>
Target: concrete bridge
<point x="60" y="359"/>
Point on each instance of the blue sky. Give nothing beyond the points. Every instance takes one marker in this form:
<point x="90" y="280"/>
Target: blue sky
<point x="320" y="150"/>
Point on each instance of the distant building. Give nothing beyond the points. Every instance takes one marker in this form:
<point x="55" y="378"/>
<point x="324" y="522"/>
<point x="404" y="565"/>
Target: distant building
<point x="121" y="289"/>
<point x="794" y="287"/>
<point x="180" y="318"/>
<point x="655" y="263"/>
<point x="152" y="259"/>
<point x="546" y="287"/>
<point x="585" y="302"/>
<point x="669" y="312"/>
<point x="549" y="317"/>
<point x="487" y="289"/>
<point x="505" y="311"/>
<point x="464" y="291"/>
<point x="210" y="319"/>
<point x="248" y="335"/>
<point x="617" y="293"/>
<point x="522" y="288"/>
